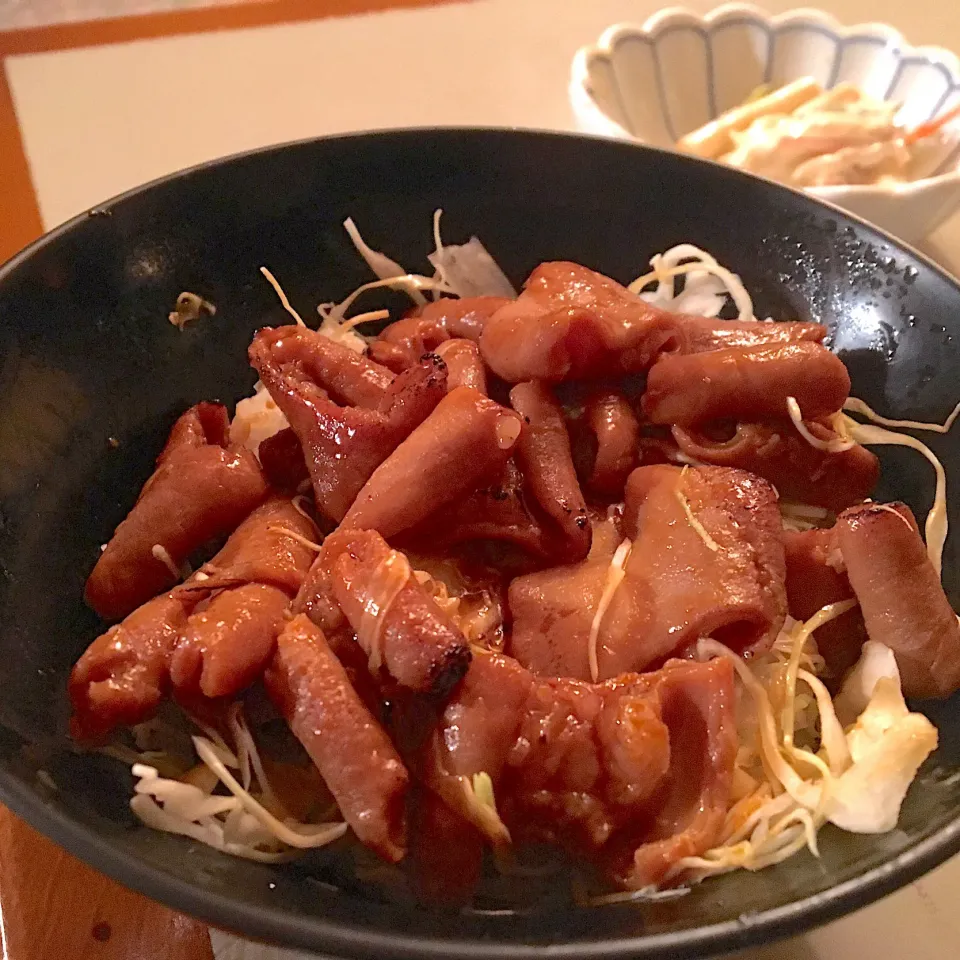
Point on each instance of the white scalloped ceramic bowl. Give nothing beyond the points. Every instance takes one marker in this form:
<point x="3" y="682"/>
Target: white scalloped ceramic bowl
<point x="656" y="82"/>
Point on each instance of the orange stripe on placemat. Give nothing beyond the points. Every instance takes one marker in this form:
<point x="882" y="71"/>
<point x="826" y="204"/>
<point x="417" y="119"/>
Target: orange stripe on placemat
<point x="19" y="212"/>
<point x="92" y="33"/>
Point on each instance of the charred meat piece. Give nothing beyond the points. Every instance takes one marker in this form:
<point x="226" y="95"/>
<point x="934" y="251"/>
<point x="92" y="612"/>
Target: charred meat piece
<point x="307" y="375"/>
<point x="397" y="623"/>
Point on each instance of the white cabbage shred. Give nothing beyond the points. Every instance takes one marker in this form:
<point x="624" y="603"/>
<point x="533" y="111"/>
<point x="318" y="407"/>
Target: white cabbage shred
<point x="707" y="286"/>
<point x="257" y="418"/>
<point x="806" y="760"/>
<point x="378" y="262"/>
<point x="469" y="271"/>
<point x="237" y="822"/>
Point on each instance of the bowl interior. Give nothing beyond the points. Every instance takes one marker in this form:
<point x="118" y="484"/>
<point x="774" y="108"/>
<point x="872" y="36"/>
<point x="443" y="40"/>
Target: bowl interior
<point x="88" y="355"/>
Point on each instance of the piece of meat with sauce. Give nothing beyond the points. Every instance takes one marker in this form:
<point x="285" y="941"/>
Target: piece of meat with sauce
<point x="307" y="374"/>
<point x="707" y="560"/>
<point x="465" y="441"/>
<point x="424" y="329"/>
<point x="281" y="457"/>
<point x="615" y="433"/>
<point x="230" y="638"/>
<point x="464" y="365"/>
<point x="353" y="753"/>
<point x="209" y="637"/>
<point x="717" y="571"/>
<point x="748" y="384"/>
<point x="124" y="674"/>
<point x="396" y="622"/>
<point x="702" y="334"/>
<point x="315" y="598"/>
<point x="224" y="647"/>
<point x="692" y="803"/>
<point x="778" y="453"/>
<point x="553" y="610"/>
<point x="200" y="490"/>
<point x="570" y="323"/>
<point x="544" y="456"/>
<point x="499" y="512"/>
<point x="346" y="377"/>
<point x="446" y="852"/>
<point x="901" y="597"/>
<point x="816" y="577"/>
<point x="590" y="766"/>
<point x="268" y="547"/>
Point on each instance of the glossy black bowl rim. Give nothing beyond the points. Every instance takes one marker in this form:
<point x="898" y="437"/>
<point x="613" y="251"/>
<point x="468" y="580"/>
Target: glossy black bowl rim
<point x="341" y="940"/>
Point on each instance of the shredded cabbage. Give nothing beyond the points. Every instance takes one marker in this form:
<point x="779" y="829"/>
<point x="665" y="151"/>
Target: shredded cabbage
<point x="615" y="574"/>
<point x="835" y="445"/>
<point x="408" y="283"/>
<point x="876" y="661"/>
<point x="700" y="529"/>
<point x="272" y="280"/>
<point x="256" y="419"/>
<point x="476" y="793"/>
<point x="801" y="516"/>
<point x="856" y="779"/>
<point x="855" y="405"/>
<point x="468" y="270"/>
<point x="389" y="578"/>
<point x="161" y="553"/>
<point x="707" y="286"/>
<point x="238" y="823"/>
<point x="378" y="262"/>
<point x="293" y="535"/>
<point x="887" y="745"/>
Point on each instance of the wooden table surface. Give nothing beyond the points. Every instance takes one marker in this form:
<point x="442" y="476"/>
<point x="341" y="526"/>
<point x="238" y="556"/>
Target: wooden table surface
<point x="53" y="906"/>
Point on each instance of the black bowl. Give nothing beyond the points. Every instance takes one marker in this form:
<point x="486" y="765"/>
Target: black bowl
<point x="88" y="355"/>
